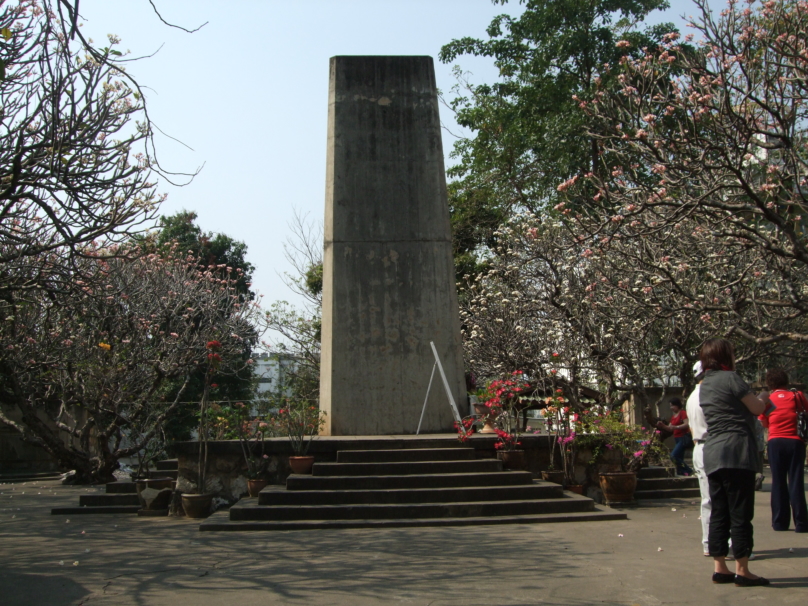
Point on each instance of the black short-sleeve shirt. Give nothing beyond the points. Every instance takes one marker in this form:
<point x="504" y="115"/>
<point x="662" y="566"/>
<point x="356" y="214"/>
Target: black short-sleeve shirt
<point x="730" y="440"/>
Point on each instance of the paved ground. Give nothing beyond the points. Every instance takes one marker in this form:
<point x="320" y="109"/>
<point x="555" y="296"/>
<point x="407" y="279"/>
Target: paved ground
<point x="126" y="560"/>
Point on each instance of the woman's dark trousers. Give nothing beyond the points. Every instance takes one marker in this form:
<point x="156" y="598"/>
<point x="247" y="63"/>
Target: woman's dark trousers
<point x="678" y="454"/>
<point x="732" y="495"/>
<point x="787" y="460"/>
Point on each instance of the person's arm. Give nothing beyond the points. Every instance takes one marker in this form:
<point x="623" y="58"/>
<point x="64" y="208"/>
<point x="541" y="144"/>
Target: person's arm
<point x="683" y="424"/>
<point x="764" y="420"/>
<point x="757" y="404"/>
<point x="662" y="425"/>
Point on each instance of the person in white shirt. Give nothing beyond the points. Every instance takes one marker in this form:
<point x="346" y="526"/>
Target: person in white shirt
<point x="698" y="428"/>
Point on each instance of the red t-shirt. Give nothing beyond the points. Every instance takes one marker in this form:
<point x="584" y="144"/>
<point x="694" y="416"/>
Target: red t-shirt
<point x="678" y="420"/>
<point x="782" y="421"/>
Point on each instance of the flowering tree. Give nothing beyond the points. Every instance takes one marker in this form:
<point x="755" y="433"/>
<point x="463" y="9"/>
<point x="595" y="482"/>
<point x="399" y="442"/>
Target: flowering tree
<point x="81" y="370"/>
<point x="715" y="157"/>
<point x="75" y="141"/>
<point x="620" y="316"/>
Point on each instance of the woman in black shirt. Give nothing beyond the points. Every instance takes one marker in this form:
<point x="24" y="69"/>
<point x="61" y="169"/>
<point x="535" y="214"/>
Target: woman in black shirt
<point x="730" y="460"/>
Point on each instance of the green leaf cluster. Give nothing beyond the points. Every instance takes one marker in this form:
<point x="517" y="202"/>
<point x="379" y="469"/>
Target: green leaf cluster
<point x="528" y="132"/>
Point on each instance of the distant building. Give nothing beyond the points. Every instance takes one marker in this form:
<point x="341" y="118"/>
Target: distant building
<point x="272" y="371"/>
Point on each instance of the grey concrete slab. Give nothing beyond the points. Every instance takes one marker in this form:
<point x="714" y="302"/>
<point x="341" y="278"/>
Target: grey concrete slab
<point x="168" y="562"/>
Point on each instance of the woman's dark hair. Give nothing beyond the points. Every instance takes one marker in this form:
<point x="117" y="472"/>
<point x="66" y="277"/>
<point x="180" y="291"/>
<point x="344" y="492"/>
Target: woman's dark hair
<point x="776" y="378"/>
<point x="717" y="353"/>
<point x="675" y="402"/>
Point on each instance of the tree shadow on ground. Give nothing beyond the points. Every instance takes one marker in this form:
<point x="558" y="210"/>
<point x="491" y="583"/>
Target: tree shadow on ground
<point x="20" y="588"/>
<point x="357" y="566"/>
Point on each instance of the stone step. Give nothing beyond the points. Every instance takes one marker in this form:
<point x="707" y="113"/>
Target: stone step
<point x="277" y="495"/>
<point x="70" y="511"/>
<point x="102" y="500"/>
<point x="163" y="473"/>
<point x="167" y="464"/>
<point x="220" y="521"/>
<point x="668" y="493"/>
<point x="406" y="454"/>
<point x="121" y="487"/>
<point x="655" y="472"/>
<point x="249" y="509"/>
<point x="406" y="468"/>
<point x="301" y="482"/>
<point x="152" y="513"/>
<point x="664" y="483"/>
<point x="23" y="476"/>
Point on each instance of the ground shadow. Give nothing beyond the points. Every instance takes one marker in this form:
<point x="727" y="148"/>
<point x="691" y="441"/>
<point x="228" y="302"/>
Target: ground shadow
<point x="22" y="589"/>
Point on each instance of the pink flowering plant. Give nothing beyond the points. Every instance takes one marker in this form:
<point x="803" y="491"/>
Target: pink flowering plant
<point x="465" y="429"/>
<point x="504" y="398"/>
<point x="604" y="430"/>
<point x="300" y="420"/>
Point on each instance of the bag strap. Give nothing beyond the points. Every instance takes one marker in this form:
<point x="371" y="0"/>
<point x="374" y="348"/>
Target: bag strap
<point x="801" y="401"/>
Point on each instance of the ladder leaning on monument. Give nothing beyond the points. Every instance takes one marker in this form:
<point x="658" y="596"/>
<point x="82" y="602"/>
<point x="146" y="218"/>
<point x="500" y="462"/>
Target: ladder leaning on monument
<point x="452" y="403"/>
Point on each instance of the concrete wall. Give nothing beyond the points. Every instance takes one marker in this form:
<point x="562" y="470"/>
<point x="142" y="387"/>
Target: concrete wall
<point x="388" y="272"/>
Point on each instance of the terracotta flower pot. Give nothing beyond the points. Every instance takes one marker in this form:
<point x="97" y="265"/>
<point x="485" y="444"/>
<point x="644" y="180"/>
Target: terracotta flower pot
<point x="576" y="488"/>
<point x="512" y="459"/>
<point x="618" y="487"/>
<point x="155" y="494"/>
<point x="301" y="464"/>
<point x="483" y="411"/>
<point x="557" y="477"/>
<point x="256" y="486"/>
<point x="197" y="505"/>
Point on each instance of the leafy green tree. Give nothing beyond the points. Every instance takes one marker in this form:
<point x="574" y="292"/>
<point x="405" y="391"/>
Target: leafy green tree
<point x="222" y="256"/>
<point x="214" y="249"/>
<point x="528" y="133"/>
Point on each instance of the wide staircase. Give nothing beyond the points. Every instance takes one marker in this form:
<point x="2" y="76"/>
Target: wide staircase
<point x="119" y="497"/>
<point x="407" y="487"/>
<point x="662" y="483"/>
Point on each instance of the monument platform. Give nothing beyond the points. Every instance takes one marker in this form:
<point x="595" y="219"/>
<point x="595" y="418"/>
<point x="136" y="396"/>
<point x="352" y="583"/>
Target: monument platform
<point x="445" y="486"/>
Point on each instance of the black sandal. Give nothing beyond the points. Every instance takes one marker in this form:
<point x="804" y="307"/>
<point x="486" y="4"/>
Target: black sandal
<point x="723" y="577"/>
<point x="747" y="582"/>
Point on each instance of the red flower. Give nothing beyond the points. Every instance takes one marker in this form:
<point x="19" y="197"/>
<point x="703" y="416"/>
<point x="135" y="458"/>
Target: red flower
<point x="213" y="345"/>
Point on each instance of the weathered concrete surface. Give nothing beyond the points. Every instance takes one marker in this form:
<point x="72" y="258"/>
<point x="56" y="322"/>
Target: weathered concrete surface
<point x="388" y="273"/>
<point x="136" y="561"/>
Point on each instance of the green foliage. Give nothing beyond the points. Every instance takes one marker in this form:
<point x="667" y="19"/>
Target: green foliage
<point x="211" y="248"/>
<point x="599" y="431"/>
<point x="236" y="378"/>
<point x="528" y="131"/>
<point x="314" y="280"/>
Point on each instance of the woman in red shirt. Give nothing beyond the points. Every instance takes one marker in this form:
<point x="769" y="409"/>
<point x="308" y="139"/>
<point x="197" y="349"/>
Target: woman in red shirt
<point x="786" y="453"/>
<point x="680" y="427"/>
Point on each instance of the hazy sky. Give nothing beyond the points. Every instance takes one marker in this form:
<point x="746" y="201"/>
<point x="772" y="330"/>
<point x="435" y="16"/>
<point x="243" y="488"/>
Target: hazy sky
<point x="248" y="93"/>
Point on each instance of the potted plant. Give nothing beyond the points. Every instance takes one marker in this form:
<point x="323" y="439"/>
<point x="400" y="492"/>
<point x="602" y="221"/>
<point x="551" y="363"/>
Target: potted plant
<point x="632" y="445"/>
<point x="301" y="421"/>
<point x="556" y="419"/>
<point x="504" y="403"/>
<point x="250" y="432"/>
<point x="154" y="494"/>
<point x="198" y="504"/>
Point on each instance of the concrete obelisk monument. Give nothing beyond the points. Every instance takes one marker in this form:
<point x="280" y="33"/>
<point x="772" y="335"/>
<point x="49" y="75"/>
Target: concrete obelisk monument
<point x="388" y="273"/>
